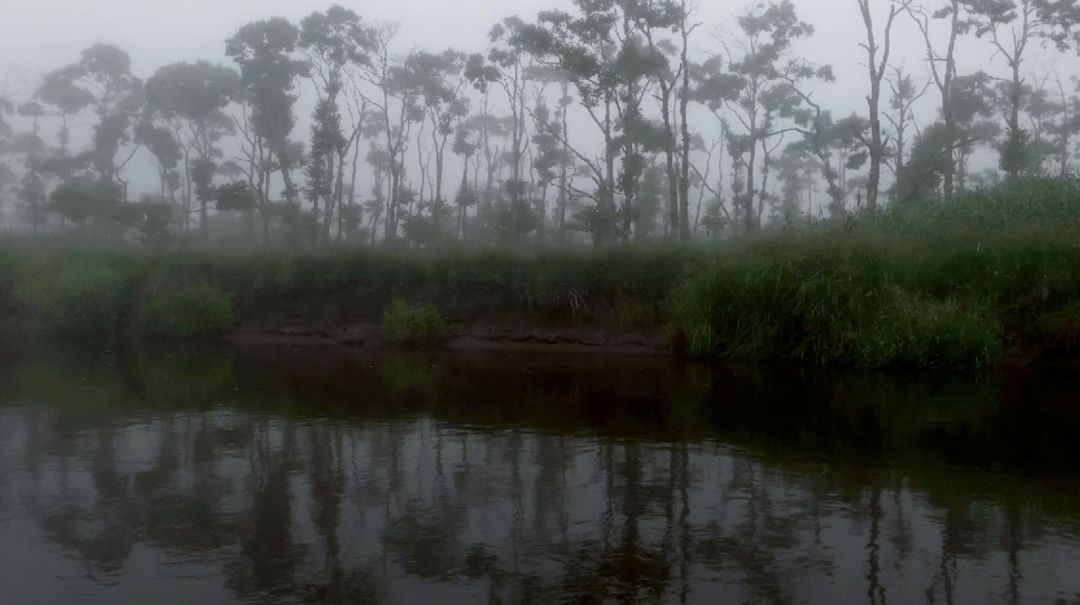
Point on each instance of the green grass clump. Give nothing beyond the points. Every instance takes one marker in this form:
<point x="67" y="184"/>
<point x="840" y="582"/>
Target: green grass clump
<point x="82" y="299"/>
<point x="636" y="314"/>
<point x="856" y="299"/>
<point x="191" y="312"/>
<point x="1011" y="208"/>
<point x="414" y="325"/>
<point x="791" y="299"/>
<point x="1060" y="329"/>
<point x="916" y="332"/>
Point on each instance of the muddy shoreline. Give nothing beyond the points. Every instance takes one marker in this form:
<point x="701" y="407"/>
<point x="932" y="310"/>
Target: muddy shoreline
<point x="472" y="337"/>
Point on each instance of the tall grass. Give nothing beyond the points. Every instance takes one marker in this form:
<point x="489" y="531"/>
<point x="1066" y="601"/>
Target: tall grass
<point x="67" y="294"/>
<point x="414" y="325"/>
<point x="930" y="285"/>
<point x="191" y="312"/>
<point x="936" y="285"/>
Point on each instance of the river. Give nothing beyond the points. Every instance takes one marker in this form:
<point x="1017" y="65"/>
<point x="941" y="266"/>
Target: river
<point x="287" y="474"/>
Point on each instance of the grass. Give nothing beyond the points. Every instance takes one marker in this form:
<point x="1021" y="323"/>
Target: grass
<point x="829" y="298"/>
<point x="948" y="286"/>
<point x="945" y="286"/>
<point x="73" y="298"/>
<point x="191" y="312"/>
<point x="271" y="288"/>
<point x="414" y="325"/>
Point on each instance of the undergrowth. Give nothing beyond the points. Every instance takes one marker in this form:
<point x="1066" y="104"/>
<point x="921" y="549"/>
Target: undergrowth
<point x="414" y="325"/>
<point x="949" y="286"/>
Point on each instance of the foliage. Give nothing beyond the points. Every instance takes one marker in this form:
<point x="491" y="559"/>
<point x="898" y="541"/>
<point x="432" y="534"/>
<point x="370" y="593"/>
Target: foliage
<point x="932" y="284"/>
<point x="928" y="285"/>
<point x="190" y="312"/>
<point x="412" y="325"/>
<point x="635" y="314"/>
<point x="918" y="332"/>
<point x="72" y="297"/>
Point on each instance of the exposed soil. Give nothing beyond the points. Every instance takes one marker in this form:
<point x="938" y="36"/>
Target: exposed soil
<point x="475" y="336"/>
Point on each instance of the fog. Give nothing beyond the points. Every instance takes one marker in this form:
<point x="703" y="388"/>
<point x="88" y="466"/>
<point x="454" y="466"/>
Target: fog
<point x="38" y="37"/>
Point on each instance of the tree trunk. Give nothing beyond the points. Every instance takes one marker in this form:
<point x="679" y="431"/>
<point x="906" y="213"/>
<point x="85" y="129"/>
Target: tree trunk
<point x="684" y="102"/>
<point x="669" y="153"/>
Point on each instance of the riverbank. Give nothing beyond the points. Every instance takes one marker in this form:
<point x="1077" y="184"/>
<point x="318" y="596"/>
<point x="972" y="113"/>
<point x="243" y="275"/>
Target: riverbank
<point x="556" y="300"/>
<point x="990" y="277"/>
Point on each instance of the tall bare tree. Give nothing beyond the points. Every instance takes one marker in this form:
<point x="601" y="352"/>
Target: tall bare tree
<point x="877" y="67"/>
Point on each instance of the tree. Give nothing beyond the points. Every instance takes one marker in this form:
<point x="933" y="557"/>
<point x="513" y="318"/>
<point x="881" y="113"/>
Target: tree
<point x="256" y="160"/>
<point x="154" y="216"/>
<point x="234" y="196"/>
<point x="759" y="85"/>
<point x="7" y="175"/>
<point x="466" y="147"/>
<point x="901" y="115"/>
<point x="85" y="197"/>
<point x="6" y="108"/>
<point x="264" y="52"/>
<point x="672" y="75"/>
<point x="798" y="169"/>
<point x="877" y="68"/>
<point x="161" y="142"/>
<point x="332" y="41"/>
<point x="924" y="173"/>
<point x="943" y="71"/>
<point x="1012" y="27"/>
<point x="508" y="55"/>
<point x="444" y="78"/>
<point x="638" y="136"/>
<point x="601" y="50"/>
<point x="552" y="160"/>
<point x="189" y="99"/>
<point x="101" y="80"/>
<point x="673" y="97"/>
<point x="973" y="111"/>
<point x="59" y="89"/>
<point x="30" y="146"/>
<point x="397" y="101"/>
<point x="582" y="46"/>
<point x="685" y="30"/>
<point x="1043" y="112"/>
<point x="1065" y="127"/>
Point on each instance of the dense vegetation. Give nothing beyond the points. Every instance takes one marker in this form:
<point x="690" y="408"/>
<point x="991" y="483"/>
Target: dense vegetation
<point x="946" y="286"/>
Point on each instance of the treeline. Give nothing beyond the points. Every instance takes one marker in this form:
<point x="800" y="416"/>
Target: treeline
<point x="587" y="125"/>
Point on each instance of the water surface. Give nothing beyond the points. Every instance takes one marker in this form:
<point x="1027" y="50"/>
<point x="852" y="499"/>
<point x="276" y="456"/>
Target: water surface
<point x="290" y="475"/>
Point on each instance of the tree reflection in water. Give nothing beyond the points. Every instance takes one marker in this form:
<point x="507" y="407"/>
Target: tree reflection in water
<point x="227" y="474"/>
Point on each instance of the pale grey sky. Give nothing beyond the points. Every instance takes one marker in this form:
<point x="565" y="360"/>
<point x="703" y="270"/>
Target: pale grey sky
<point x="40" y="35"/>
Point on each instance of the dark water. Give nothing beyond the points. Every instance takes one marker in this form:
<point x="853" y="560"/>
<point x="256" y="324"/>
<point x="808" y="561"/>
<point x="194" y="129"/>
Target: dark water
<point x="219" y="475"/>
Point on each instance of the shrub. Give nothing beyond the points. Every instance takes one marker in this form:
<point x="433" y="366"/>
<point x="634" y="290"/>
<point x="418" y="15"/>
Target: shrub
<point x="835" y="298"/>
<point x="191" y="312"/>
<point x="79" y="299"/>
<point x="413" y="325"/>
<point x="913" y="331"/>
<point x="782" y="301"/>
<point x="1060" y="329"/>
<point x="634" y="314"/>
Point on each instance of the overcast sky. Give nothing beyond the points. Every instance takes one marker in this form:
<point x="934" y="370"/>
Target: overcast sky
<point x="40" y="35"/>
